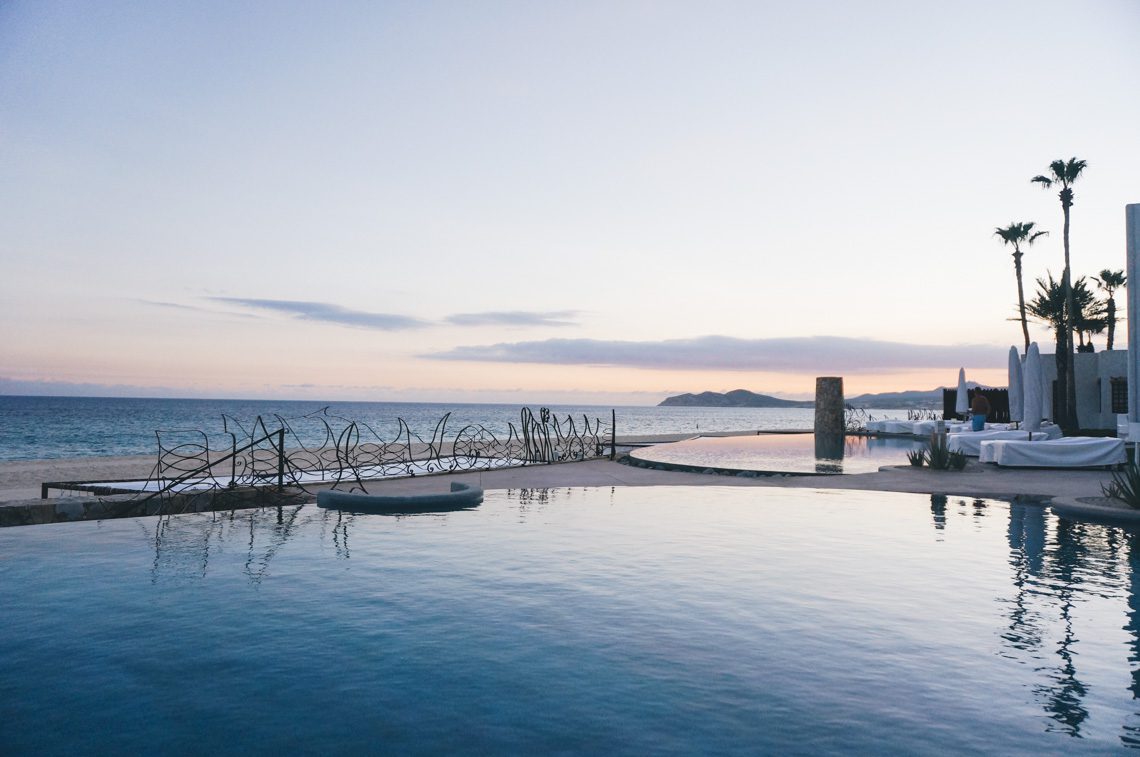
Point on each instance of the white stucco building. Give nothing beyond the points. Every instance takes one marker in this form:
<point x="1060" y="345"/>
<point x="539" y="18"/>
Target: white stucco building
<point x="1102" y="386"/>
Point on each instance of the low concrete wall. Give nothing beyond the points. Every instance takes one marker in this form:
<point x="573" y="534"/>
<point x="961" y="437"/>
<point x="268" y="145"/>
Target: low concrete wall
<point x="67" y="509"/>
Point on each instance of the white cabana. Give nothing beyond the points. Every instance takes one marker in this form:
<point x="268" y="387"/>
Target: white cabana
<point x="1016" y="403"/>
<point x="962" y="400"/>
<point x="1031" y="402"/>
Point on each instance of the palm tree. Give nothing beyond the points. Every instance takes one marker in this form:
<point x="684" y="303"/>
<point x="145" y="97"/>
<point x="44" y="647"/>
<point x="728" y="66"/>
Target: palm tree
<point x="1048" y="307"/>
<point x="1090" y="315"/>
<point x="1065" y="173"/>
<point x="1016" y="234"/>
<point x="1109" y="281"/>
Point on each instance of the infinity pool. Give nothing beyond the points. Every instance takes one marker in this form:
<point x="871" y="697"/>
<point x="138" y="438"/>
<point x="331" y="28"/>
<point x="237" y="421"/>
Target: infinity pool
<point x="783" y="453"/>
<point x="628" y="621"/>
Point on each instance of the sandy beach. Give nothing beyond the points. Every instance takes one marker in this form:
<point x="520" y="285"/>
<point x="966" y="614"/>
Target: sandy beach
<point x="21" y="479"/>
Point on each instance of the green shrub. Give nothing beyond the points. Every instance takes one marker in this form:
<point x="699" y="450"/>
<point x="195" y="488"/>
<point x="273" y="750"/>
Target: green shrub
<point x="917" y="457"/>
<point x="939" y="457"/>
<point x="1125" y="486"/>
<point x="938" y="454"/>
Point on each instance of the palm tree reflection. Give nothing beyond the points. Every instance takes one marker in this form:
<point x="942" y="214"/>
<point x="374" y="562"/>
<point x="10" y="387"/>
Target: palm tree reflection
<point x="1054" y="574"/>
<point x="938" y="512"/>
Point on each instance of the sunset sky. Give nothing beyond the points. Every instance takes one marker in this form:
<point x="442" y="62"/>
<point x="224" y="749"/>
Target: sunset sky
<point x="544" y="202"/>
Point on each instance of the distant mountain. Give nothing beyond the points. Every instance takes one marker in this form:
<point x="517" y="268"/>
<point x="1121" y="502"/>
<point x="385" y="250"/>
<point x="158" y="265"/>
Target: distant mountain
<point x="912" y="399"/>
<point x="735" y="398"/>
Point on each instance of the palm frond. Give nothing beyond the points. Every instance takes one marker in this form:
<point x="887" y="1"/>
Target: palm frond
<point x="1008" y="235"/>
<point x="1044" y="181"/>
<point x="1110" y="280"/>
<point x="1072" y="170"/>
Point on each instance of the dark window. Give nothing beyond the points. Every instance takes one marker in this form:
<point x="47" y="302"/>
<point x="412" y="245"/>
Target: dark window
<point x="1119" y="388"/>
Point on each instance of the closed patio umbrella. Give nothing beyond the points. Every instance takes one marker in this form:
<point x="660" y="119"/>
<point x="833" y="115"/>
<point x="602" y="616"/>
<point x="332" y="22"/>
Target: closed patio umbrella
<point x="1016" y="403"/>
<point x="962" y="401"/>
<point x="1031" y="415"/>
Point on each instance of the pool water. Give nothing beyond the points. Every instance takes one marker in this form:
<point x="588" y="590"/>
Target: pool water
<point x="783" y="453"/>
<point x="627" y="621"/>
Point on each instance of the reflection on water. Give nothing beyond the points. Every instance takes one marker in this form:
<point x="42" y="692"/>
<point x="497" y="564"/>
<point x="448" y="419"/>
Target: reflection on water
<point x="652" y="587"/>
<point x="1056" y="565"/>
<point x="183" y="545"/>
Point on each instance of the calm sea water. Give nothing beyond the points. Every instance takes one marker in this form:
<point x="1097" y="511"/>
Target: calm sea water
<point x="633" y="621"/>
<point x="33" y="428"/>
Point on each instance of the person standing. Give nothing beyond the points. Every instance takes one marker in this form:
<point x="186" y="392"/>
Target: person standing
<point x="979" y="409"/>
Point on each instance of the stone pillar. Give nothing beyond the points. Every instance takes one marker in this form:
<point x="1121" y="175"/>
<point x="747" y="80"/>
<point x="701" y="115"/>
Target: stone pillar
<point x="829" y="405"/>
<point x="1132" y="216"/>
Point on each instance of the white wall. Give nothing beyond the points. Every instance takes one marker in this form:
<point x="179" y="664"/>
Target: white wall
<point x="1094" y="387"/>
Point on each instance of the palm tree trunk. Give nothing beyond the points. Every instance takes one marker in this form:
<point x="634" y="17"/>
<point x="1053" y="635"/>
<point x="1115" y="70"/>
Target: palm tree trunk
<point x="1070" y="396"/>
<point x="1021" y="300"/>
<point x="1111" y="320"/>
<point x="1062" y="360"/>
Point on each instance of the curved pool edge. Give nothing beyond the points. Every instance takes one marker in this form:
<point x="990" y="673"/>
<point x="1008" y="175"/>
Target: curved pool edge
<point x="639" y="462"/>
<point x="1074" y="508"/>
<point x="771" y="458"/>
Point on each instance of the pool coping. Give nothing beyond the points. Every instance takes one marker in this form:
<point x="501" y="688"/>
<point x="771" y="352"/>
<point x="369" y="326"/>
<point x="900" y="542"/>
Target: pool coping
<point x="642" y="462"/>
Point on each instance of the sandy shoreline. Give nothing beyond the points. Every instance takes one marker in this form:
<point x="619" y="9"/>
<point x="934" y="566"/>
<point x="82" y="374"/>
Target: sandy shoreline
<point x="21" y="479"/>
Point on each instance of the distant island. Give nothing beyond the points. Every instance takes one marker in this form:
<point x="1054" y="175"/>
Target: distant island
<point x="931" y="399"/>
<point x="735" y="398"/>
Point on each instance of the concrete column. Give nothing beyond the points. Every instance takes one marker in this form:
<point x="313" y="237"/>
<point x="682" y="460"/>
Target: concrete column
<point x="829" y="406"/>
<point x="1132" y="216"/>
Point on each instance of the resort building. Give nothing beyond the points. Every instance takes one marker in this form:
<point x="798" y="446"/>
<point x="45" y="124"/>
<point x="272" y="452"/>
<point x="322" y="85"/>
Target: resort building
<point x="1102" y="386"/>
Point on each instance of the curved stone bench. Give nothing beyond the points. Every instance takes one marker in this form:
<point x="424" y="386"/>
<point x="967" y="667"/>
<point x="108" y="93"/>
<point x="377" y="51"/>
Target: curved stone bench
<point x="460" y="497"/>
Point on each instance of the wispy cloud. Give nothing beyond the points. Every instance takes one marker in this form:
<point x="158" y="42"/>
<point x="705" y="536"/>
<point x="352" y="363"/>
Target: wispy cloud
<point x="514" y="318"/>
<point x="329" y="313"/>
<point x="827" y="354"/>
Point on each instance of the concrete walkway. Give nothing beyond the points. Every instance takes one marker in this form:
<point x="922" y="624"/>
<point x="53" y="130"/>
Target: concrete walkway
<point x="975" y="481"/>
<point x="1060" y="487"/>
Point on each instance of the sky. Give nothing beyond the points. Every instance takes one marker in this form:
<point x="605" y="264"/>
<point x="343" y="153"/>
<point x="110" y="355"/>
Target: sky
<point x="565" y="202"/>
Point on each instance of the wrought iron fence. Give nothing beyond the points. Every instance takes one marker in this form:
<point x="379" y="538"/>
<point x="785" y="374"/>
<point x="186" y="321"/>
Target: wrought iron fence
<point x="271" y="455"/>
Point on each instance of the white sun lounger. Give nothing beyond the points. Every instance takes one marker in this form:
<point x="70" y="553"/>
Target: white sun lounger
<point x="970" y="443"/>
<point x="1067" y="452"/>
<point x="889" y="426"/>
<point x="923" y="429"/>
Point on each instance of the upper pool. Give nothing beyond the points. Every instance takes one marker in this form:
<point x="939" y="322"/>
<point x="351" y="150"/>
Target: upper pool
<point x="630" y="621"/>
<point x="783" y="453"/>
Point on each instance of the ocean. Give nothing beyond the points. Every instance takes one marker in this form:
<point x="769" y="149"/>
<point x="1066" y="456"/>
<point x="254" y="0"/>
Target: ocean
<point x="42" y="428"/>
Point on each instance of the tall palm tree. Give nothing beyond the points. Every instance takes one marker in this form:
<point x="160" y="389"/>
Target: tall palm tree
<point x="1048" y="307"/>
<point x="1064" y="173"/>
<point x="1090" y="318"/>
<point x="1017" y="234"/>
<point x="1109" y="281"/>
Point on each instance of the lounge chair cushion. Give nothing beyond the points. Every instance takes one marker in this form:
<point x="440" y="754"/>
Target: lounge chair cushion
<point x="1067" y="452"/>
<point x="970" y="443"/>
